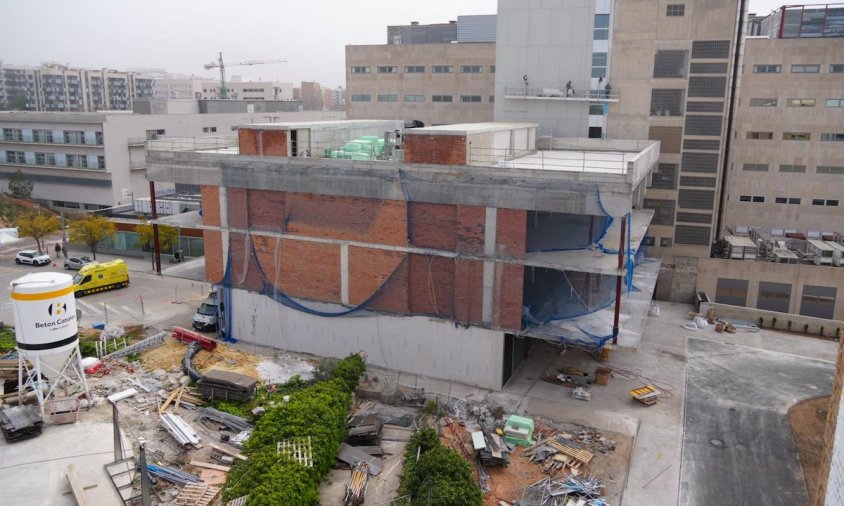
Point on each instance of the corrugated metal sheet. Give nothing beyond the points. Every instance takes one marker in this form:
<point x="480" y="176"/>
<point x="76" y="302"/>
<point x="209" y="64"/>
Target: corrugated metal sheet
<point x="479" y="28"/>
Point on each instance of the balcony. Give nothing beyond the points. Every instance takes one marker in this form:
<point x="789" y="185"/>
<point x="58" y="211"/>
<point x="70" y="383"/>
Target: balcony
<point x="555" y="94"/>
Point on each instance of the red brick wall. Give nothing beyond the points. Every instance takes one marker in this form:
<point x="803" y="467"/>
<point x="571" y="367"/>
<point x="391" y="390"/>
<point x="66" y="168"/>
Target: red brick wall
<point x="438" y="149"/>
<point x="210" y="205"/>
<point x="369" y="270"/>
<point x="507" y="295"/>
<point x="347" y="218"/>
<point x="303" y="269"/>
<point x="431" y="285"/>
<point x="257" y="142"/>
<point x="236" y="208"/>
<point x="266" y="209"/>
<point x="511" y="233"/>
<point x="433" y="225"/>
<point x="468" y="291"/>
<point x="244" y="271"/>
<point x="471" y="222"/>
<point x="214" y="261"/>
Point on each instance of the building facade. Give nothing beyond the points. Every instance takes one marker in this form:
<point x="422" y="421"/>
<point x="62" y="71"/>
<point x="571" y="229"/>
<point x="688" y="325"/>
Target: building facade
<point x="58" y="88"/>
<point x="249" y="90"/>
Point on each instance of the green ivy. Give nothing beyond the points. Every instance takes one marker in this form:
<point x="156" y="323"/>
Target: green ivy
<point x="318" y="411"/>
<point x="440" y="477"/>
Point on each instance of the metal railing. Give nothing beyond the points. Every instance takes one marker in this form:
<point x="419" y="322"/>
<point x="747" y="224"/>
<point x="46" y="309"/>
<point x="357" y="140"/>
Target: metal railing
<point x="567" y="161"/>
<point x="562" y="94"/>
<point x="204" y="143"/>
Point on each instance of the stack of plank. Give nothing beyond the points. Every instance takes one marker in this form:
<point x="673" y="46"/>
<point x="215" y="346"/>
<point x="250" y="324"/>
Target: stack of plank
<point x="356" y="490"/>
<point x="557" y="452"/>
<point x="20" y="422"/>
<point x="179" y="397"/>
<point x="365" y="430"/>
<point x="227" y="386"/>
<point x="494" y="451"/>
<point x="233" y="422"/>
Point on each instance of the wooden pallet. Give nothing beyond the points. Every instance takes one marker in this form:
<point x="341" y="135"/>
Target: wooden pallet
<point x="195" y="494"/>
<point x="647" y="395"/>
<point x="579" y="454"/>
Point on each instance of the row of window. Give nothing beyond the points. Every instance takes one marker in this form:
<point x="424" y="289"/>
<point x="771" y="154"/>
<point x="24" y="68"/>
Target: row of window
<point x="52" y="159"/>
<point x="795" y="102"/>
<point x="816" y="300"/>
<point x="469" y="99"/>
<point x="802" y="169"/>
<point x="795" y="136"/>
<point x="49" y="137"/>
<point x="759" y="199"/>
<point x="835" y="68"/>
<point x="420" y="69"/>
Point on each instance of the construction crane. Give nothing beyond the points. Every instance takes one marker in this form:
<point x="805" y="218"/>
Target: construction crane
<point x="219" y="63"/>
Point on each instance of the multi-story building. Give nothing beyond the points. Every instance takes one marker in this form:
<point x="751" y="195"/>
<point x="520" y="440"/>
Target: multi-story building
<point x="247" y="90"/>
<point x="465" y="238"/>
<point x="178" y="87"/>
<point x="311" y="96"/>
<point x="438" y="74"/>
<point x="97" y="160"/>
<point x="59" y="88"/>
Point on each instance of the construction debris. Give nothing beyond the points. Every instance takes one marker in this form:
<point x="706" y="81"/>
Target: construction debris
<point x="233" y="422"/>
<point x="172" y="475"/>
<point x="195" y="494"/>
<point x="352" y="456"/>
<point x="356" y="489"/>
<point x="581" y="394"/>
<point x="364" y="430"/>
<point x="519" y="430"/>
<point x="495" y="451"/>
<point x="20" y="422"/>
<point x="550" y="491"/>
<point x="227" y="386"/>
<point x="179" y="429"/>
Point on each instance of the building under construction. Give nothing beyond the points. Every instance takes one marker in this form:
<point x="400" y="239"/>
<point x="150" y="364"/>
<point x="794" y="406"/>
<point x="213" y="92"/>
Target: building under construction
<point x="444" y="251"/>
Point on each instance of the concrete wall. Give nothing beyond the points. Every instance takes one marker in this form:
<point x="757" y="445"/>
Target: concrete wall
<point x="455" y="84"/>
<point x="551" y="44"/>
<point x="815" y="120"/>
<point x="799" y="323"/>
<point x="710" y="269"/>
<point x="414" y="344"/>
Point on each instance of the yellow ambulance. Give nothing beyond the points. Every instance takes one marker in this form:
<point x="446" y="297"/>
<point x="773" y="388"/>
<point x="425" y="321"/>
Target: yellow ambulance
<point x="99" y="277"/>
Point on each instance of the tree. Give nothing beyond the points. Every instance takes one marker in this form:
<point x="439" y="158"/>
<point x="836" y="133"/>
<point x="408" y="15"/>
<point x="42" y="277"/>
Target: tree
<point x="38" y="226"/>
<point x="19" y="186"/>
<point x="14" y="103"/>
<point x="91" y="230"/>
<point x="168" y="237"/>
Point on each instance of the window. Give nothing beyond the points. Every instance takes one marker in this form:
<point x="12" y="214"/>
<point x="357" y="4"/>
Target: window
<point x="388" y="98"/>
<point x="441" y="98"/>
<point x="805" y="69"/>
<point x="760" y="135"/>
<point x="792" y="168"/>
<point x="675" y="10"/>
<point x="361" y="98"/>
<point x="794" y="201"/>
<point x="692" y="235"/>
<point x="471" y="69"/>
<point x="704" y="106"/>
<point x="708" y="68"/>
<point x="696" y="199"/>
<point x="763" y="102"/>
<point x="697" y="181"/>
<point x="758" y="199"/>
<point x="470" y="98"/>
<point x="492" y="69"/>
<point x="492" y="99"/>
<point x="663" y="210"/>
<point x="767" y="69"/>
<point x="414" y="98"/>
<point x="700" y="162"/>
<point x="818" y="202"/>
<point x="694" y="217"/>
<point x="596" y="109"/>
<point x="707" y="87"/>
<point x="781" y="200"/>
<point x="43" y="136"/>
<point x="829" y="169"/>
<point x="40" y="159"/>
<point x="414" y="69"/>
<point x="15" y="157"/>
<point x="98" y="138"/>
<point x="670" y="63"/>
<point x="801" y="102"/>
<point x="602" y="27"/>
<point x="388" y="69"/>
<point x="74" y="137"/>
<point x="836" y="68"/>
<point x="442" y="69"/>
<point x="599" y="64"/>
<point x="731" y="291"/>
<point x="703" y="125"/>
<point x="361" y="70"/>
<point x="796" y="136"/>
<point x="832" y="137"/>
<point x="664" y="242"/>
<point x="752" y="198"/>
<point x="755" y="167"/>
<point x="818" y="301"/>
<point x="650" y="241"/>
<point x="832" y="203"/>
<point x="209" y="129"/>
<point x="12" y="134"/>
<point x="744" y="198"/>
<point x="835" y="102"/>
<point x="665" y="177"/>
<point x="100" y="162"/>
<point x="701" y="144"/>
<point x="774" y="296"/>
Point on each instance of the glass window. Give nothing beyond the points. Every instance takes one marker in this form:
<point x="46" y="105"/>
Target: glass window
<point x="758" y="199"/>
<point x="414" y="98"/>
<point x="792" y="168"/>
<point x="836" y="68"/>
<point x="835" y="102"/>
<point x="471" y="69"/>
<point x="796" y="136"/>
<point x="414" y="69"/>
<point x="602" y="27"/>
<point x="781" y="200"/>
<point x="361" y="70"/>
<point x="388" y="69"/>
<point x="596" y="109"/>
<point x="832" y="137"/>
<point x="388" y="98"/>
<point x="492" y="99"/>
<point x="801" y="102"/>
<point x="441" y="98"/>
<point x="670" y="63"/>
<point x="492" y="69"/>
<point x="744" y="198"/>
<point x="767" y="69"/>
<point x="805" y="69"/>
<point x="794" y="200"/>
<point x="763" y="102"/>
<point x="100" y="162"/>
<point x="760" y="135"/>
<point x="833" y="203"/>
<point x="470" y="98"/>
<point x="755" y="167"/>
<point x="599" y="64"/>
<point x="818" y="202"/>
<point x="361" y="98"/>
<point x="674" y="10"/>
<point x="442" y="69"/>
<point x="830" y="169"/>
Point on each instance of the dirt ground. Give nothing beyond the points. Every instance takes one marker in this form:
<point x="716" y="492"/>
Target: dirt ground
<point x="807" y="419"/>
<point x="224" y="357"/>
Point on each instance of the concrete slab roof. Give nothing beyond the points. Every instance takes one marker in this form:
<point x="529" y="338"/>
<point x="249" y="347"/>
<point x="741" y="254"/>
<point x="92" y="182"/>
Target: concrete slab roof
<point x="321" y="125"/>
<point x="468" y="128"/>
<point x="609" y="162"/>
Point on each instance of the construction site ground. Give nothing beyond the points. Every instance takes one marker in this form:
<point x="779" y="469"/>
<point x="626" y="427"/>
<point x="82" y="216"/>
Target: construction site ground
<point x="808" y="420"/>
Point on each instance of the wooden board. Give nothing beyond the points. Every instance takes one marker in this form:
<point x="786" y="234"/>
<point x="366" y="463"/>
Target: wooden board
<point x="209" y="465"/>
<point x="230" y="453"/>
<point x="581" y="455"/>
<point x="75" y="486"/>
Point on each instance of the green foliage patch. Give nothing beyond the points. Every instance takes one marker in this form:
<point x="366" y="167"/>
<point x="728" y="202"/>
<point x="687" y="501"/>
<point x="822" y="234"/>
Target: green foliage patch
<point x="318" y="411"/>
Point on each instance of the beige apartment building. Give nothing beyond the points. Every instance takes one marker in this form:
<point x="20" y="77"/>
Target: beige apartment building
<point x="786" y="172"/>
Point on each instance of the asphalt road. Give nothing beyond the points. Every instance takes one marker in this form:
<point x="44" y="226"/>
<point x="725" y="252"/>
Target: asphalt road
<point x="156" y="301"/>
<point x="737" y="444"/>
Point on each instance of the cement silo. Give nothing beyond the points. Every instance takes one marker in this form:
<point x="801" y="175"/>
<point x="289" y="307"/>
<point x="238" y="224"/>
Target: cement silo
<point x="46" y="331"/>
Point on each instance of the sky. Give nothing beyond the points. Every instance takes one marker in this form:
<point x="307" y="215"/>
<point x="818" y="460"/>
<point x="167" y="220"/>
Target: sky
<point x="180" y="36"/>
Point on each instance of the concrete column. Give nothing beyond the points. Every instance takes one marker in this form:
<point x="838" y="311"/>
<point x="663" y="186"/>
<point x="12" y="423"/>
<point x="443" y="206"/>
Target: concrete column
<point x="344" y="274"/>
<point x="490" y="229"/>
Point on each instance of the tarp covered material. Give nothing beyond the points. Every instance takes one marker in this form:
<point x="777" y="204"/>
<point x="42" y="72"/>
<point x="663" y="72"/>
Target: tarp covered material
<point x="7" y="238"/>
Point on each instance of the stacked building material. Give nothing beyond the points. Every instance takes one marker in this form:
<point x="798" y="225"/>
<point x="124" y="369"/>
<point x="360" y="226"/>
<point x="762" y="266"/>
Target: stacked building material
<point x="495" y="451"/>
<point x="356" y="490"/>
<point x="365" y="430"/>
<point x="519" y="430"/>
<point x="227" y="386"/>
<point x="233" y="422"/>
<point x="20" y="422"/>
<point x="172" y="475"/>
<point x="179" y="429"/>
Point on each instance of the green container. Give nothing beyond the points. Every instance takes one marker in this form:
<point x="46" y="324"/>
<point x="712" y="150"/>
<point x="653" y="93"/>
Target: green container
<point x="519" y="430"/>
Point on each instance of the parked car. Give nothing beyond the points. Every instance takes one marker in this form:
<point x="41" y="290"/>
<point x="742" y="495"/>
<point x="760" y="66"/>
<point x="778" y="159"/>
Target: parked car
<point x="77" y="263"/>
<point x="205" y="318"/>
<point x="32" y="257"/>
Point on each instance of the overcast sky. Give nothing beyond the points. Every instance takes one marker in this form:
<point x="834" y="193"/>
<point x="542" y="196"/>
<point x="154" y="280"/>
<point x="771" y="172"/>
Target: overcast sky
<point x="180" y="36"/>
